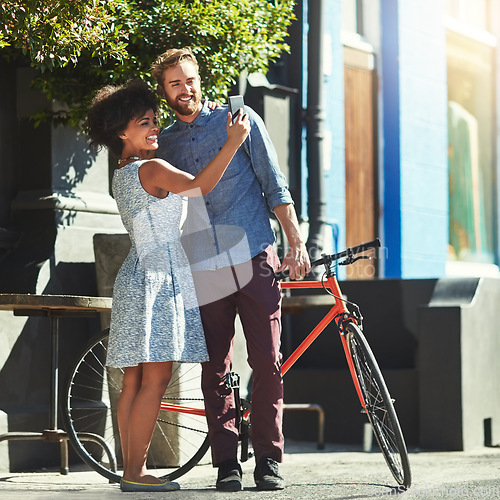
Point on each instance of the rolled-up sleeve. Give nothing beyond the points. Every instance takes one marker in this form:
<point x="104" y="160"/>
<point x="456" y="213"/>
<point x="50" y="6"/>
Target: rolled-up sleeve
<point x="265" y="163"/>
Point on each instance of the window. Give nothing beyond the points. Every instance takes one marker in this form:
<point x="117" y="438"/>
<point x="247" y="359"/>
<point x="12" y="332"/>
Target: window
<point x="471" y="131"/>
<point x="474" y="13"/>
<point x="352" y="16"/>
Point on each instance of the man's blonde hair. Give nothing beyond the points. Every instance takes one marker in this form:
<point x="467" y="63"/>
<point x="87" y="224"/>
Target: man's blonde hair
<point x="170" y="58"/>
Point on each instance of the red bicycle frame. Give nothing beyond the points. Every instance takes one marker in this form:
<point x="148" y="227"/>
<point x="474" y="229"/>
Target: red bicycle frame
<point x="338" y="312"/>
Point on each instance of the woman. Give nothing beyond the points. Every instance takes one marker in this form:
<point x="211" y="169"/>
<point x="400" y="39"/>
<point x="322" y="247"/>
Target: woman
<point x="155" y="318"/>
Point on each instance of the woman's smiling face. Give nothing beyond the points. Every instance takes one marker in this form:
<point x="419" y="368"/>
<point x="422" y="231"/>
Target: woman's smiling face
<point x="141" y="133"/>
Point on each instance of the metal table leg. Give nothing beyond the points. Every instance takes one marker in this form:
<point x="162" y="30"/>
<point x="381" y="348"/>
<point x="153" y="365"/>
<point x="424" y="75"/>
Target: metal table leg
<point x="53" y="433"/>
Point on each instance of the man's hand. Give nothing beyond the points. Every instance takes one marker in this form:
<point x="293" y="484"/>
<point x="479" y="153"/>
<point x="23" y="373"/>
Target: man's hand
<point x="213" y="105"/>
<point x="296" y="261"/>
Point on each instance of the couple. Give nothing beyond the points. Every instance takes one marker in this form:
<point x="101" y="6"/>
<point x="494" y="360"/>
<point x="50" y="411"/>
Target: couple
<point x="155" y="317"/>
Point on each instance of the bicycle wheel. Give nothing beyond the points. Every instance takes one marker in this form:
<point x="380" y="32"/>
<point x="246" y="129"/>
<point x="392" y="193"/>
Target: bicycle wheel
<point x="379" y="406"/>
<point x="180" y="438"/>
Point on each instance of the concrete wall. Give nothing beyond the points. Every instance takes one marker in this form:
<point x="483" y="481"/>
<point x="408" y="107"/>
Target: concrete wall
<point x="437" y="345"/>
<point x="54" y="195"/>
<point x="459" y="370"/>
<point x="390" y="311"/>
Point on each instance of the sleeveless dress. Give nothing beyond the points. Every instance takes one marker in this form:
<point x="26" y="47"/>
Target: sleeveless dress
<point x="155" y="314"/>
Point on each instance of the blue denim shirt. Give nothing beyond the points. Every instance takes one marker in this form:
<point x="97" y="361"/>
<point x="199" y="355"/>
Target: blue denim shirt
<point x="251" y="185"/>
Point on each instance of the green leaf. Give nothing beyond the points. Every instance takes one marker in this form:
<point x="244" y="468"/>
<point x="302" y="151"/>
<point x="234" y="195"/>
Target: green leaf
<point x="79" y="46"/>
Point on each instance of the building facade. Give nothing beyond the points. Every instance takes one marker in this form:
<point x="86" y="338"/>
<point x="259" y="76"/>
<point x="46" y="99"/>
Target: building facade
<point x="410" y="139"/>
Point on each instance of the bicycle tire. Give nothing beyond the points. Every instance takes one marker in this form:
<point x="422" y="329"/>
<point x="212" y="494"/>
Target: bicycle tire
<point x="379" y="406"/>
<point x="180" y="441"/>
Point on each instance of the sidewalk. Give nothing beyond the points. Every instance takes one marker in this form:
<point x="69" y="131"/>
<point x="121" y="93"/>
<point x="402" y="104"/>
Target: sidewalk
<point x="333" y="473"/>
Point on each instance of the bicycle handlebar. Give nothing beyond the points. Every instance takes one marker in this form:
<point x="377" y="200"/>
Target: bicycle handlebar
<point x="328" y="259"/>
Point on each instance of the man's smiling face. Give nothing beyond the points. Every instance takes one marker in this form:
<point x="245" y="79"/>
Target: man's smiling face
<point x="181" y="88"/>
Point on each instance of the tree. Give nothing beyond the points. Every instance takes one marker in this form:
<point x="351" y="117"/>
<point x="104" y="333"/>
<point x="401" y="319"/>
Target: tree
<point x="54" y="33"/>
<point x="79" y="46"/>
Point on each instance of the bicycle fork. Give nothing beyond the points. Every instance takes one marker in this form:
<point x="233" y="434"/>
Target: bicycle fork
<point x="342" y="320"/>
<point x="242" y="418"/>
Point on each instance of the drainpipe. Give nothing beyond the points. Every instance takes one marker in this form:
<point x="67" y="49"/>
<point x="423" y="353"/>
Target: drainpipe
<point x="315" y="120"/>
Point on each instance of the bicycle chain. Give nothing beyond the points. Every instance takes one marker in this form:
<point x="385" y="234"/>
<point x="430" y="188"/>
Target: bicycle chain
<point x="183" y="399"/>
<point x="178" y="425"/>
<point x="181" y="426"/>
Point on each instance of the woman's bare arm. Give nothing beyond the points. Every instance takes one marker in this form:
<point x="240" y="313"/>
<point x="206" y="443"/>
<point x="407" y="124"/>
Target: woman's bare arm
<point x="158" y="176"/>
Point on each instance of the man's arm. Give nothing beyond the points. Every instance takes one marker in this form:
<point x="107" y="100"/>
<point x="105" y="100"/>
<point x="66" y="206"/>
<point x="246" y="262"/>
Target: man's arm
<point x="296" y="259"/>
<point x="264" y="160"/>
<point x="273" y="184"/>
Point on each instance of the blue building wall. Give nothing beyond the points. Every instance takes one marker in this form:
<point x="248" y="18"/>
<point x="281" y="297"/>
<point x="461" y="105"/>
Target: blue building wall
<point x="333" y="96"/>
<point x="495" y="16"/>
<point x="414" y="96"/>
<point x="334" y="124"/>
<point x="412" y="138"/>
<point x="391" y="191"/>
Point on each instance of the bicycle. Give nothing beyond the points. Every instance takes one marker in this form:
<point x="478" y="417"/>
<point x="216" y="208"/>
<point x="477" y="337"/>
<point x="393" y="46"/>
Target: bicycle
<point x="181" y="436"/>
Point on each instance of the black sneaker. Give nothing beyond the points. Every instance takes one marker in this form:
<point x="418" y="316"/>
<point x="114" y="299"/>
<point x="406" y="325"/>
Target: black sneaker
<point x="229" y="476"/>
<point x="266" y="475"/>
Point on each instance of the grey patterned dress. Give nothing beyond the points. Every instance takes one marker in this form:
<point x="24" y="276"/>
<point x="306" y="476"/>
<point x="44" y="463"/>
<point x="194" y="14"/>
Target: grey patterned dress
<point x="155" y="314"/>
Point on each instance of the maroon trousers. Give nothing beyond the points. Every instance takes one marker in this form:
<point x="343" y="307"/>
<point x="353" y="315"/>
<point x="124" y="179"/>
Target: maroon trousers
<point x="258" y="304"/>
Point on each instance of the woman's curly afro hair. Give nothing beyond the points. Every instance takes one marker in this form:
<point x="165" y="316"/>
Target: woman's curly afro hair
<point x="112" y="109"/>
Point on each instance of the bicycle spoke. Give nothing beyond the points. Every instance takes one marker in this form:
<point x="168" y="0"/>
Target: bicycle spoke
<point x="180" y="439"/>
<point x="377" y="413"/>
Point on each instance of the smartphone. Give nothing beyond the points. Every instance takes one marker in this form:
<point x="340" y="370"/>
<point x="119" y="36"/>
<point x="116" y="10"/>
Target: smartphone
<point x="235" y="102"/>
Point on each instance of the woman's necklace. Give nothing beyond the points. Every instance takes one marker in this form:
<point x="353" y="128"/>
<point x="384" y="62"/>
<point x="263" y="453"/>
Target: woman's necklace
<point x="123" y="160"/>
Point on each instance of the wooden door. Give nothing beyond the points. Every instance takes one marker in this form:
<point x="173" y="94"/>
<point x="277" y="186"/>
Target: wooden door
<point x="360" y="164"/>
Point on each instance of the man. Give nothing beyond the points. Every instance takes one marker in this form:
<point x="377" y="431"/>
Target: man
<point x="235" y="273"/>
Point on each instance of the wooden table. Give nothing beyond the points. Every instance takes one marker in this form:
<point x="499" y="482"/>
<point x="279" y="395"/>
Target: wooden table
<point x="53" y="307"/>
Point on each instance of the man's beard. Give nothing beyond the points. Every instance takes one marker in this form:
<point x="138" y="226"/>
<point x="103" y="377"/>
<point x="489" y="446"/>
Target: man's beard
<point x="183" y="108"/>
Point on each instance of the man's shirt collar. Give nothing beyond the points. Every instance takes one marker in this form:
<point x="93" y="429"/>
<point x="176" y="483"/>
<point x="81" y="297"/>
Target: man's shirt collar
<point x="200" y="121"/>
